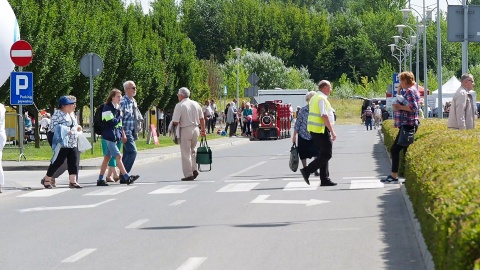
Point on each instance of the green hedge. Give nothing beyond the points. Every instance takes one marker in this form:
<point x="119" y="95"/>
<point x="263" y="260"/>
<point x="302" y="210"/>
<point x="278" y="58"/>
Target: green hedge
<point x="443" y="181"/>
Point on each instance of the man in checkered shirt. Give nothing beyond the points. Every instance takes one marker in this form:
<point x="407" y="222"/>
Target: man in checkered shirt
<point x="130" y="115"/>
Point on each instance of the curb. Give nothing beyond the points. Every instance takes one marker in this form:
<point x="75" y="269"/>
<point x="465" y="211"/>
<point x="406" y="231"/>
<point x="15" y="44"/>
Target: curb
<point x="139" y="161"/>
<point x="426" y="255"/>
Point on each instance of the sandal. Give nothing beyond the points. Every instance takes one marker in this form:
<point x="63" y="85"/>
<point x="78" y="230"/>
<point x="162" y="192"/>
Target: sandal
<point x="46" y="184"/>
<point x="52" y="181"/>
<point x="74" y="185"/>
<point x="116" y="179"/>
<point x="109" y="179"/>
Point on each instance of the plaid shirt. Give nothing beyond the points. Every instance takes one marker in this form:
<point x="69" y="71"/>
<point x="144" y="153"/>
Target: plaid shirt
<point x="128" y="121"/>
<point x="301" y="123"/>
<point x="405" y="118"/>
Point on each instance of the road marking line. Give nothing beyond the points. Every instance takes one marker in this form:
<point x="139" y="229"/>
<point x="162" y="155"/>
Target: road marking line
<point x="364" y="184"/>
<point x="136" y="224"/>
<point x="44" y="192"/>
<point x="177" y="202"/>
<point x="144" y="183"/>
<point x="238" y="187"/>
<point x="345" y="229"/>
<point x="43" y="208"/>
<point x="170" y="189"/>
<point x="362" y="177"/>
<point x="192" y="263"/>
<point x="300" y="186"/>
<point x="246" y="180"/>
<point x="247" y="169"/>
<point x="293" y="179"/>
<point x="79" y="255"/>
<point x="263" y="199"/>
<point x="109" y="191"/>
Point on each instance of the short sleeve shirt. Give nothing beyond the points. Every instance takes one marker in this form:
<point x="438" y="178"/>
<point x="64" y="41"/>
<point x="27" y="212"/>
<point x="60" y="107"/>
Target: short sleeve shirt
<point x="187" y="113"/>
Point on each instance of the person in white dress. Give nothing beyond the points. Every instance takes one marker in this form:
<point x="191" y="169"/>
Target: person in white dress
<point x="3" y="139"/>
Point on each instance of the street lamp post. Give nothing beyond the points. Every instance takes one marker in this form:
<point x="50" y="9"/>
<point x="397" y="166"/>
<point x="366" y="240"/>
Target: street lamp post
<point x="414" y="40"/>
<point x="426" y="12"/>
<point x="237" y="52"/>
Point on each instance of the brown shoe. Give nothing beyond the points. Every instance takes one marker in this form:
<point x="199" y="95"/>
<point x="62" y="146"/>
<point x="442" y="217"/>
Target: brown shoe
<point x="116" y="179"/>
<point x="109" y="179"/>
<point x="195" y="174"/>
<point x="189" y="178"/>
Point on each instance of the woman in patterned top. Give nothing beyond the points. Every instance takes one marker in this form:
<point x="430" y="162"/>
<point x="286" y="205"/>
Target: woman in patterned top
<point x="406" y="116"/>
<point x="306" y="147"/>
<point x="64" y="143"/>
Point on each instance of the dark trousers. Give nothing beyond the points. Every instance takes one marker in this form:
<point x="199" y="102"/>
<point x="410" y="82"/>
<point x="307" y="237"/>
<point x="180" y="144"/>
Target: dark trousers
<point x="323" y="142"/>
<point x="65" y="153"/>
<point x="209" y="123"/>
<point x="395" y="150"/>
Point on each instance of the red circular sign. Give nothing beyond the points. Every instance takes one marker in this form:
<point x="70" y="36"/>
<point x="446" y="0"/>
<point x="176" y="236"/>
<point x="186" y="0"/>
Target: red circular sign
<point x="21" y="53"/>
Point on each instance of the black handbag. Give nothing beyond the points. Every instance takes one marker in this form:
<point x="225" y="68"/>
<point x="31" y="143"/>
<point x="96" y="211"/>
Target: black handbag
<point x="406" y="136"/>
<point x="204" y="155"/>
<point x="294" y="159"/>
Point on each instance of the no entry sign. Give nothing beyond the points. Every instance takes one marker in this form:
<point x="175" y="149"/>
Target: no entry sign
<point x="21" y="53"/>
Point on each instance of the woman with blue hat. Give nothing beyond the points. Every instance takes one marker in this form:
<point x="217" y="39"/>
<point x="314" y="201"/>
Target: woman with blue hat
<point x="64" y="142"/>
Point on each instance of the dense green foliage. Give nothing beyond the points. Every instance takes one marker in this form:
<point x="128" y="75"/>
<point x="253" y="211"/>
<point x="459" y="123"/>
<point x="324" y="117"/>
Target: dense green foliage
<point x="288" y="43"/>
<point x="442" y="181"/>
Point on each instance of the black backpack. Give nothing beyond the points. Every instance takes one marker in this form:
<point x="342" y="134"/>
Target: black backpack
<point x="98" y="124"/>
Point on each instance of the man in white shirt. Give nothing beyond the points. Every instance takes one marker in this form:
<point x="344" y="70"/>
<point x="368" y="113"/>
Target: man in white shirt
<point x="187" y="116"/>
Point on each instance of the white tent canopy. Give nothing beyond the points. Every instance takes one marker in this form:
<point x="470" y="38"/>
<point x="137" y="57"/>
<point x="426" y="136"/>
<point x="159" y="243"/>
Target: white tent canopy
<point x="448" y="90"/>
<point x="450" y="87"/>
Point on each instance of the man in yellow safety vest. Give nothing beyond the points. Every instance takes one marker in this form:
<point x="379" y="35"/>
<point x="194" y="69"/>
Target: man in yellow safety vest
<point x="320" y="125"/>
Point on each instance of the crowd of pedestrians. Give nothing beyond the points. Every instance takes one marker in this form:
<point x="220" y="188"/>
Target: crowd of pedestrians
<point x="121" y="123"/>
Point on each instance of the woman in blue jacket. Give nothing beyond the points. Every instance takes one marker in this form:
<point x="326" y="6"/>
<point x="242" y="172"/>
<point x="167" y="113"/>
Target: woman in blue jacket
<point x="112" y="133"/>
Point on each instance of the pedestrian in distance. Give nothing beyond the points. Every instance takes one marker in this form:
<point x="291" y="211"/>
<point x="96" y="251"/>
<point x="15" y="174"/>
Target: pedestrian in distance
<point x="406" y="116"/>
<point x="64" y="143"/>
<point x="306" y="146"/>
<point x="320" y="125"/>
<point x="187" y="116"/>
<point x="462" y="109"/>
<point x="368" y="116"/>
<point x="208" y="115"/>
<point x="131" y="123"/>
<point x="112" y="133"/>
<point x="247" y="115"/>
<point x="3" y="140"/>
<point x="378" y="116"/>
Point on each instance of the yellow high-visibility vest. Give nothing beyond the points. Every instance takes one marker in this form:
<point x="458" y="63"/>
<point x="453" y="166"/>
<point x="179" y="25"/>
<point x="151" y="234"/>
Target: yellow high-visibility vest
<point x="315" y="122"/>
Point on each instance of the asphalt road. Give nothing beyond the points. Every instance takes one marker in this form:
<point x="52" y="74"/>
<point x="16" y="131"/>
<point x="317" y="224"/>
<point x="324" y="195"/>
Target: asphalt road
<point x="249" y="212"/>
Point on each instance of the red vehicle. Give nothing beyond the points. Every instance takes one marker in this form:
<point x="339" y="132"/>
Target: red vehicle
<point x="271" y="120"/>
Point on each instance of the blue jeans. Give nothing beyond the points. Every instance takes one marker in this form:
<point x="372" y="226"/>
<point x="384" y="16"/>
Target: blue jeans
<point x="129" y="153"/>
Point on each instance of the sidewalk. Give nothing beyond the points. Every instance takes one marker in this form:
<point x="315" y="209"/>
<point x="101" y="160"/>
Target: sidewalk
<point x="143" y="157"/>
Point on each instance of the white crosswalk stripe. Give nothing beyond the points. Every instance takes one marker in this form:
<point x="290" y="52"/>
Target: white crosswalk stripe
<point x="44" y="192"/>
<point x="109" y="191"/>
<point x="366" y="184"/>
<point x="239" y="187"/>
<point x="171" y="189"/>
<point x="301" y="186"/>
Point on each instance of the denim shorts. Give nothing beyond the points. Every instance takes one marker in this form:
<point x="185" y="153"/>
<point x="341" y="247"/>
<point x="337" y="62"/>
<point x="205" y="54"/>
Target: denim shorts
<point x="110" y="148"/>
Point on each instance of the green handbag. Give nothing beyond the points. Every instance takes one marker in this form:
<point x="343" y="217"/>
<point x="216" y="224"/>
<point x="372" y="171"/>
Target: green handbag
<point x="204" y="155"/>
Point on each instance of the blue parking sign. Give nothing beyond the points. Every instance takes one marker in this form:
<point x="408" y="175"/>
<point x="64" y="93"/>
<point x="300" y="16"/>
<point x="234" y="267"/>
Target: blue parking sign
<point x="395" y="78"/>
<point x="21" y="88"/>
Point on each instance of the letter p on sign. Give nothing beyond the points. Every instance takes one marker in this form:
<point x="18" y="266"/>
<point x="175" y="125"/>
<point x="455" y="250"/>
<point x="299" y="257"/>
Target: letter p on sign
<point x="21" y="82"/>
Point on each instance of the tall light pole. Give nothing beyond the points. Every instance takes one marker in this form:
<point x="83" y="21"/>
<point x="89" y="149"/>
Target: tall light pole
<point x="426" y="12"/>
<point x="414" y="40"/>
<point x="439" y="61"/>
<point x="237" y="51"/>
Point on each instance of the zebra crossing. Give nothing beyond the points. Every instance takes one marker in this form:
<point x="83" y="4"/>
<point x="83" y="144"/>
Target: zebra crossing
<point x="231" y="185"/>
